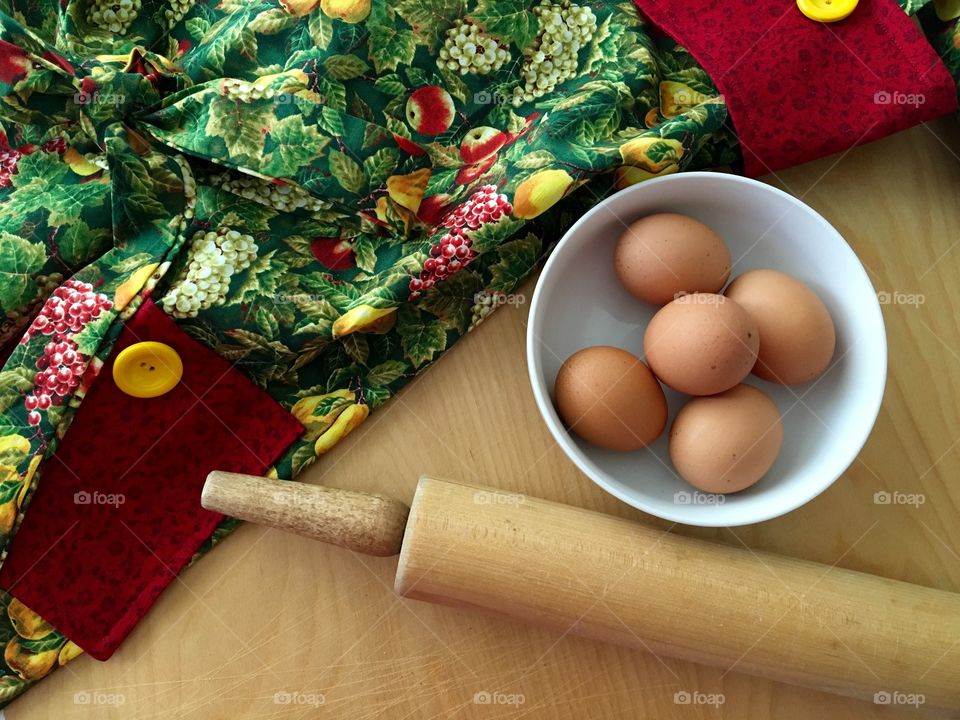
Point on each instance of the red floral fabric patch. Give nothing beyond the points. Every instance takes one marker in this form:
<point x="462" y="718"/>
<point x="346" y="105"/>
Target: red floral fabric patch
<point x="117" y="511"/>
<point x="798" y="89"/>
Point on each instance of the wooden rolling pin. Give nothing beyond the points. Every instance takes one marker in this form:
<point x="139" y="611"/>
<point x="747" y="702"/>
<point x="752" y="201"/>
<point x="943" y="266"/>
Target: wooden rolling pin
<point x="615" y="580"/>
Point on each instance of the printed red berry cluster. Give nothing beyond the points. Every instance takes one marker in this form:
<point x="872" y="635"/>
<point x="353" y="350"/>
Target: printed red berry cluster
<point x="66" y="312"/>
<point x="454" y="251"/>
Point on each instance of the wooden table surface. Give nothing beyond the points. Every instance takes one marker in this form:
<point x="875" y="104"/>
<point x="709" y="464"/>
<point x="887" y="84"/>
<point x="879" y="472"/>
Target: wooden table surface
<point x="268" y="618"/>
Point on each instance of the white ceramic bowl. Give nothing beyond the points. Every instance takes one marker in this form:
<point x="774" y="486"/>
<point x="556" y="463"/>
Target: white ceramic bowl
<point x="579" y="302"/>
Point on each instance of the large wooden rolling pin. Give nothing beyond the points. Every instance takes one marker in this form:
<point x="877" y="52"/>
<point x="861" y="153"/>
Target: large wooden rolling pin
<point x="615" y="580"/>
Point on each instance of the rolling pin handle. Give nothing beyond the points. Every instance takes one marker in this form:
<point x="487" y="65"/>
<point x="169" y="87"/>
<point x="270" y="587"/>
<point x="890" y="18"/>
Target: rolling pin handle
<point x="368" y="524"/>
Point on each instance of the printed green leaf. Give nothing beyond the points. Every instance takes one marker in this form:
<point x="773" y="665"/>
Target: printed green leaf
<point x="19" y="260"/>
<point x="420" y="338"/>
<point x="297" y="146"/>
<point x="347" y="172"/>
<point x="20" y="256"/>
<point x="52" y="641"/>
<point x="590" y="115"/>
<point x="261" y="279"/>
<point x="19" y="379"/>
<point x="390" y="45"/>
<point x="321" y="30"/>
<point x="267" y="323"/>
<point x="197" y="27"/>
<point x="79" y="244"/>
<point x="240" y="125"/>
<point x="302" y="458"/>
<point x="340" y="295"/>
<point x="378" y="166"/>
<point x="429" y="17"/>
<point x="508" y="19"/>
<point x="365" y="253"/>
<point x="357" y="347"/>
<point x="455" y="85"/>
<point x="88" y="340"/>
<point x="272" y="21"/>
<point x="13" y="384"/>
<point x="334" y="95"/>
<point x="345" y="67"/>
<point x="9" y="490"/>
<point x="517" y="259"/>
<point x="386" y="372"/>
<point x="390" y="85"/>
<point x="490" y="235"/>
<point x="375" y="396"/>
<point x="451" y="300"/>
<point x="535" y="160"/>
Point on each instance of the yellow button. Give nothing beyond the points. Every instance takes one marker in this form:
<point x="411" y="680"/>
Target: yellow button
<point x="827" y="11"/>
<point x="147" y="369"/>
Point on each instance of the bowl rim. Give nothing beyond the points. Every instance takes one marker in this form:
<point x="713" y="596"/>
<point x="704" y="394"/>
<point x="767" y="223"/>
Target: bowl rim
<point x="871" y="316"/>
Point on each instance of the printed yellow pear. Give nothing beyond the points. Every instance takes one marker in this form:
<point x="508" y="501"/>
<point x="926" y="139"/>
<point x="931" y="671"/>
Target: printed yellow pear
<point x="26" y="622"/>
<point x="299" y="8"/>
<point x="287" y="80"/>
<point x="79" y="163"/>
<point x="346" y="423"/>
<point x="131" y="286"/>
<point x="28" y="478"/>
<point x="540" y="192"/>
<point x="68" y="652"/>
<point x="14" y="444"/>
<point x="676" y="98"/>
<point x="350" y="11"/>
<point x="626" y="175"/>
<point x="318" y="412"/>
<point x="365" y="318"/>
<point x="8" y="516"/>
<point x="651" y="152"/>
<point x="407" y="190"/>
<point x="28" y="664"/>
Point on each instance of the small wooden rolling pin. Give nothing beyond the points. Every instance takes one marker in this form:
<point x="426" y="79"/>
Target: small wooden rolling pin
<point x="615" y="580"/>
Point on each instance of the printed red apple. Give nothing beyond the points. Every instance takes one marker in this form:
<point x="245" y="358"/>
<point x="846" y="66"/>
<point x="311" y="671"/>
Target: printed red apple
<point x="408" y="146"/>
<point x="469" y="173"/>
<point x="430" y="110"/>
<point x="481" y="142"/>
<point x="433" y="208"/>
<point x="333" y="253"/>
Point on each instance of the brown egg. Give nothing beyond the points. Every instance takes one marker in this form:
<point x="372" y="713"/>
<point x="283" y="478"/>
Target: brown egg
<point x="701" y="344"/>
<point x="663" y="255"/>
<point x="797" y="336"/>
<point x="610" y="398"/>
<point x="725" y="443"/>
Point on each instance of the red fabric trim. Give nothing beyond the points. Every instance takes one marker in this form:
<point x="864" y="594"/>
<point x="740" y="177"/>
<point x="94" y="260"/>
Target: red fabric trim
<point x="798" y="89"/>
<point x="94" y="569"/>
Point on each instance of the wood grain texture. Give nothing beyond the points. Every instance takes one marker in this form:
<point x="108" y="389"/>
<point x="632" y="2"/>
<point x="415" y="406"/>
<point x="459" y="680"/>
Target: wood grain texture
<point x="361" y="522"/>
<point x="611" y="579"/>
<point x="271" y="613"/>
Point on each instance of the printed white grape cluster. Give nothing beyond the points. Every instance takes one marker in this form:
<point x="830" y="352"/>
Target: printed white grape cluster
<point x="467" y="49"/>
<point x="176" y="9"/>
<point x="484" y="304"/>
<point x="113" y="15"/>
<point x="552" y="59"/>
<point x="277" y="195"/>
<point x="213" y="259"/>
<point x="245" y="91"/>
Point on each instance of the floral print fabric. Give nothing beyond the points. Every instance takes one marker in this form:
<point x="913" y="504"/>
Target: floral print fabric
<point x="327" y="194"/>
